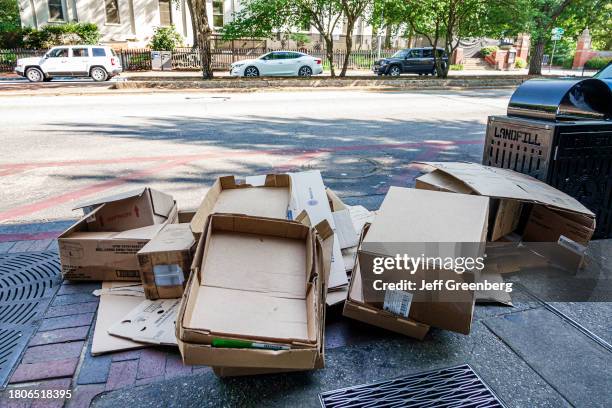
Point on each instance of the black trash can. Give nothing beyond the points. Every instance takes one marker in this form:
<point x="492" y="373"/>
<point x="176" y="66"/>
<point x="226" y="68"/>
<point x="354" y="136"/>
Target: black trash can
<point x="560" y="132"/>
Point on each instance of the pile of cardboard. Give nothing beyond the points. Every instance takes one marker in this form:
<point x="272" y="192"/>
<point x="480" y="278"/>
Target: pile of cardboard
<point x="242" y="283"/>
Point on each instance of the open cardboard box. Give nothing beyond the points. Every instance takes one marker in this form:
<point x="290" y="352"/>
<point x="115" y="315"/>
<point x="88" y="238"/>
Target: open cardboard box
<point x="523" y="209"/>
<point x="419" y="223"/>
<point x="165" y="262"/>
<point x="103" y="244"/>
<point x="259" y="280"/>
<point x="228" y="195"/>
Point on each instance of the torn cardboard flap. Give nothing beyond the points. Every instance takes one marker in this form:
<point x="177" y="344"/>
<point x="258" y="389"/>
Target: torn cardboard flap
<point x="502" y="183"/>
<point x="152" y="321"/>
<point x="268" y="197"/>
<point x="110" y="310"/>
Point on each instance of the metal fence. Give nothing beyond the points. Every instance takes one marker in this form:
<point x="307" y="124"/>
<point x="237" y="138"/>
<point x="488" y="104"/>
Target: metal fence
<point x="189" y="58"/>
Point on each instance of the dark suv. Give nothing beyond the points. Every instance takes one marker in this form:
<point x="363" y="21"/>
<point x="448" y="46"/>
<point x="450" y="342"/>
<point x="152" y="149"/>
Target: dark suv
<point x="410" y="61"/>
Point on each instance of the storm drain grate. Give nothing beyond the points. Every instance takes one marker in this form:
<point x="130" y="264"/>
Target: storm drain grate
<point x="448" y="387"/>
<point x="28" y="281"/>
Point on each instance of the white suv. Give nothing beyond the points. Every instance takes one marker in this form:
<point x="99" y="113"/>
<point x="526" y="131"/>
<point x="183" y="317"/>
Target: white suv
<point x="95" y="61"/>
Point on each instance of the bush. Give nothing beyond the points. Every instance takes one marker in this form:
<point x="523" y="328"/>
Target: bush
<point x="61" y="34"/>
<point x="165" y="39"/>
<point x="520" y="63"/>
<point x="486" y="51"/>
<point x="597" y="63"/>
<point x="456" y="67"/>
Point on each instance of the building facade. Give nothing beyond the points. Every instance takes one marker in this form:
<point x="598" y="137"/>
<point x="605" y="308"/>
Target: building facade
<point x="131" y="23"/>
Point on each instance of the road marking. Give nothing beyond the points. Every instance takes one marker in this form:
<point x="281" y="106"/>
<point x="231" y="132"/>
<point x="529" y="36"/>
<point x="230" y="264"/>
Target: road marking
<point x="177" y="161"/>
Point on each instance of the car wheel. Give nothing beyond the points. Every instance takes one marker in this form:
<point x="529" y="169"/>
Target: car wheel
<point x="251" y="72"/>
<point x="395" y="71"/>
<point x="305" y="71"/>
<point x="98" y="74"/>
<point x="34" y="75"/>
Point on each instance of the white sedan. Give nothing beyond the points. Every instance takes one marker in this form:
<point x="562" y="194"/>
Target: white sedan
<point x="281" y="63"/>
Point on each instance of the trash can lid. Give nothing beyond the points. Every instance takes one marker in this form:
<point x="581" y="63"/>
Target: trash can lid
<point x="562" y="99"/>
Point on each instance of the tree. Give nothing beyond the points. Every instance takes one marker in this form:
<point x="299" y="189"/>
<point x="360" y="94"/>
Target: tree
<point x="263" y="18"/>
<point x="9" y="15"/>
<point x="165" y="39"/>
<point x="203" y="32"/>
<point x="352" y="9"/>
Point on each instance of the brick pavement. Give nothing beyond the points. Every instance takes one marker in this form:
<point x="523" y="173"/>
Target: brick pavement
<point x="58" y="354"/>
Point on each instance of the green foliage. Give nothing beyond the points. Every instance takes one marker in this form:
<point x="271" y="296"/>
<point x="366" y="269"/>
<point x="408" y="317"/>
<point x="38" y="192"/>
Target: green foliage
<point x="165" y="39"/>
<point x="9" y="16"/>
<point x="300" y="38"/>
<point x="520" y="63"/>
<point x="486" y="51"/>
<point x="61" y="34"/>
<point x="597" y="63"/>
<point x="456" y="67"/>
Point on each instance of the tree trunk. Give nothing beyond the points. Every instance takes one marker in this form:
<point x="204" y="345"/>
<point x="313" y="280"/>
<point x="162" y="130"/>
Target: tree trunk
<point x="329" y="51"/>
<point x="349" y="45"/>
<point x="387" y="43"/>
<point x="537" y="54"/>
<point x="194" y="31"/>
<point x="203" y="37"/>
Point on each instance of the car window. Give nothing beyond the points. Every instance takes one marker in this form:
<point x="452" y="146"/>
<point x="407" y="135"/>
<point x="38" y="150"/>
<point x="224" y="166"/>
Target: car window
<point x="606" y="73"/>
<point x="427" y="53"/>
<point x="58" y="53"/>
<point x="414" y="54"/>
<point x="80" y="52"/>
<point x="98" y="52"/>
<point x="401" y="54"/>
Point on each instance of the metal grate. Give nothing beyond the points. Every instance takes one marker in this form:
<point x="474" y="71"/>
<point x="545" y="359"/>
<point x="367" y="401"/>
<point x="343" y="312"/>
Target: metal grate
<point x="448" y="387"/>
<point x="28" y="281"/>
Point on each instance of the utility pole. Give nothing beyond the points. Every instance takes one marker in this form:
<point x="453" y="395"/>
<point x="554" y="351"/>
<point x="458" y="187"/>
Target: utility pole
<point x="382" y="19"/>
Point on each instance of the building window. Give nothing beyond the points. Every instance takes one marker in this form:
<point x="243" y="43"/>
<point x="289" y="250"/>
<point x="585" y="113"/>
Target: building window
<point x="165" y="13"/>
<point x="112" y="11"/>
<point x="56" y="10"/>
<point x="218" y="13"/>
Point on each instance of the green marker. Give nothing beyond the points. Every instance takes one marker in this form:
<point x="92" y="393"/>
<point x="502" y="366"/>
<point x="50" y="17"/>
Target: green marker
<point x="225" y="343"/>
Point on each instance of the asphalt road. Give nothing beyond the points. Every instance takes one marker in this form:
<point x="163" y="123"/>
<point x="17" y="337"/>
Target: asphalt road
<point x="56" y="151"/>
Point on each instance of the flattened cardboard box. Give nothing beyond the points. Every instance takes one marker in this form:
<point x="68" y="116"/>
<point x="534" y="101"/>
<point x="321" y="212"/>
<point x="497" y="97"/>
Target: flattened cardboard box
<point x="271" y="290"/>
<point x="229" y="195"/>
<point x="520" y="203"/>
<point x="165" y="262"/>
<point x="420" y="223"/>
<point x="88" y="254"/>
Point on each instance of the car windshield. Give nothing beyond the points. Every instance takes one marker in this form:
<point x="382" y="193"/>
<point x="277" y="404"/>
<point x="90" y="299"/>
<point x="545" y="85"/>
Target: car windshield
<point x="605" y="73"/>
<point x="400" y="54"/>
<point x="266" y="56"/>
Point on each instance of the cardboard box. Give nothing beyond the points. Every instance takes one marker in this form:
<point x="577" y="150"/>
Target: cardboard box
<point x="521" y="205"/>
<point x="165" y="262"/>
<point x="129" y="210"/>
<point x="433" y="225"/>
<point x="356" y="308"/>
<point x="260" y="280"/>
<point x="89" y="254"/>
<point x="228" y="195"/>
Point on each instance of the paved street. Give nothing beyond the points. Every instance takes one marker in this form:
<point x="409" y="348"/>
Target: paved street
<point x="59" y="150"/>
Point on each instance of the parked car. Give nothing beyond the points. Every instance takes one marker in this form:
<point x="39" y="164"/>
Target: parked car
<point x="95" y="61"/>
<point x="281" y="63"/>
<point x="409" y="61"/>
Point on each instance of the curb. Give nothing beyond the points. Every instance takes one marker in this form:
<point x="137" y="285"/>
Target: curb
<point x="255" y="84"/>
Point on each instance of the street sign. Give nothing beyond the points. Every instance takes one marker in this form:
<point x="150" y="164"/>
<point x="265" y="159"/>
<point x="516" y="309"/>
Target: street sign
<point x="557" y="31"/>
<point x="556" y="37"/>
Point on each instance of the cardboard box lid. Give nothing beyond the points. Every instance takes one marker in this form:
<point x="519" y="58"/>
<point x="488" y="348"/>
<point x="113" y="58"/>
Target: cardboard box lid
<point x="502" y="183"/>
<point x="410" y="215"/>
<point x="268" y="196"/>
<point x="172" y="237"/>
<point x="152" y="321"/>
<point x="162" y="203"/>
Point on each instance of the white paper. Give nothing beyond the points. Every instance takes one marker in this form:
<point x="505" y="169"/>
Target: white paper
<point x="397" y="302"/>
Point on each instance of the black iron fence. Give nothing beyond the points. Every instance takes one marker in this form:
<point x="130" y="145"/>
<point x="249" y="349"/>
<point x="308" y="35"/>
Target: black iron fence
<point x="189" y="58"/>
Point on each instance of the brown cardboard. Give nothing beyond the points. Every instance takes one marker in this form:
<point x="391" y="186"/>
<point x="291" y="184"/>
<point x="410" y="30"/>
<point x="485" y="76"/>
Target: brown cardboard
<point x="258" y="279"/>
<point x="152" y="321"/>
<point x="89" y="254"/>
<point x="412" y="216"/>
<point x="228" y="195"/>
<point x="356" y="308"/>
<point x="165" y="262"/>
<point x="110" y="310"/>
<point x="551" y="215"/>
<point x="130" y="210"/>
